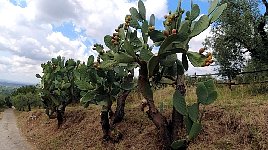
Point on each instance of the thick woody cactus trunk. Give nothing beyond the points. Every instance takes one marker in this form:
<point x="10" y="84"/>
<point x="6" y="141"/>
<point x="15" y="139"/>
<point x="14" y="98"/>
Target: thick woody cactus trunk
<point x="29" y="107"/>
<point x="60" y="114"/>
<point x="120" y="108"/>
<point x="105" y="124"/>
<point x="158" y="119"/>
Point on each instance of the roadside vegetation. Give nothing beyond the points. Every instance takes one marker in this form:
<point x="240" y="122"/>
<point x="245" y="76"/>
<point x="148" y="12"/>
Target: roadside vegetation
<point x="237" y="120"/>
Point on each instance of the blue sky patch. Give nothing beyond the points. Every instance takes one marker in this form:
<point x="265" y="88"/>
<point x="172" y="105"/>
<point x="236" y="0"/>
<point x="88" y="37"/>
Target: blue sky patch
<point x="21" y="3"/>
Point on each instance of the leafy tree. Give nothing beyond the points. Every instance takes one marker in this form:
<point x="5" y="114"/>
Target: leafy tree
<point x="25" y="97"/>
<point x="19" y="102"/>
<point x="24" y="90"/>
<point x="239" y="31"/>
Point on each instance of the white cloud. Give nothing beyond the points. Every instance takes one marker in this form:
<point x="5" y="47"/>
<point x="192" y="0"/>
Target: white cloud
<point x="27" y="37"/>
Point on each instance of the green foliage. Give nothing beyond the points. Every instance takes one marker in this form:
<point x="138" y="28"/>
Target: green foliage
<point x="101" y="82"/>
<point x="206" y="94"/>
<point x="201" y="25"/>
<point x="6" y="90"/>
<point x="216" y="13"/>
<point x="202" y="92"/>
<point x="240" y="29"/>
<point x="165" y="66"/>
<point x="2" y="101"/>
<point x="195" y="130"/>
<point x="196" y="59"/>
<point x="179" y="103"/>
<point x="27" y="101"/>
<point x="25" y="98"/>
<point x="177" y="144"/>
<point x="19" y="102"/>
<point x="57" y="83"/>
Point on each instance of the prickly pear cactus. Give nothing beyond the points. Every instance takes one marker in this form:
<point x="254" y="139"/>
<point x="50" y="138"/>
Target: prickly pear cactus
<point x="57" y="84"/>
<point x="127" y="48"/>
<point x="206" y="94"/>
<point x="103" y="80"/>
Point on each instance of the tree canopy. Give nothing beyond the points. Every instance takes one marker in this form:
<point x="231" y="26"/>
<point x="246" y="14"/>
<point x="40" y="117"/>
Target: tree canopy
<point x="239" y="33"/>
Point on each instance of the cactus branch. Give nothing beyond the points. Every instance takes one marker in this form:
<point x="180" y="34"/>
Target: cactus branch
<point x="177" y="118"/>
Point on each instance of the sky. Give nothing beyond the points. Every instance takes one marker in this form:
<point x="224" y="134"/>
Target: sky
<point x="34" y="31"/>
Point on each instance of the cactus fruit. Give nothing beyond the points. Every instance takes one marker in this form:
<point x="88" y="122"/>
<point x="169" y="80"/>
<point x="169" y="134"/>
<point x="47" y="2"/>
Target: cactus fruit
<point x="166" y="33"/>
<point x="174" y="31"/>
<point x="202" y="50"/>
<point x="151" y="28"/>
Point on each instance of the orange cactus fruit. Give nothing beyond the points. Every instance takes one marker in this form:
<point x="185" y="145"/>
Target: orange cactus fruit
<point x="151" y="28"/>
<point x="209" y="54"/>
<point x="174" y="31"/>
<point x="166" y="33"/>
<point x="201" y="50"/>
<point x="209" y="57"/>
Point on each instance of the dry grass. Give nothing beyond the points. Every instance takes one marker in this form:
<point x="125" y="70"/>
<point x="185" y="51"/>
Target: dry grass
<point x="82" y="130"/>
<point x="238" y="120"/>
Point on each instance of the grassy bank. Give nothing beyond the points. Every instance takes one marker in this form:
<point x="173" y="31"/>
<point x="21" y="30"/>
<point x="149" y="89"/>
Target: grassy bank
<point x="238" y="120"/>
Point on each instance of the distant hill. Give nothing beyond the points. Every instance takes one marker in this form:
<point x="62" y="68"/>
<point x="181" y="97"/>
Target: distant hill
<point x="12" y="83"/>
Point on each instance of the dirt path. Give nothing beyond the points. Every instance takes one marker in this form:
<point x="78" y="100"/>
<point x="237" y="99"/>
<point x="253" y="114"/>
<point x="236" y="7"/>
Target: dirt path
<point x="10" y="138"/>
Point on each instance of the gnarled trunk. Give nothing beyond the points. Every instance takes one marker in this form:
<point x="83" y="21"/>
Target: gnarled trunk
<point x="60" y="114"/>
<point x="120" y="108"/>
<point x="158" y="119"/>
<point x="105" y="125"/>
<point x="29" y="107"/>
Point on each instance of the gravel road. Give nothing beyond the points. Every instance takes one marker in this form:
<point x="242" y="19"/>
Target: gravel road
<point x="10" y="137"/>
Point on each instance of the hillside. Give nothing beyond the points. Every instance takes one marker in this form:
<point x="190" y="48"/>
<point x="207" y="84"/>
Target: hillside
<point x="14" y="84"/>
<point x="237" y="121"/>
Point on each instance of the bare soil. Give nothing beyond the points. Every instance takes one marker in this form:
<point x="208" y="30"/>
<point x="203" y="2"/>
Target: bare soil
<point x="10" y="138"/>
